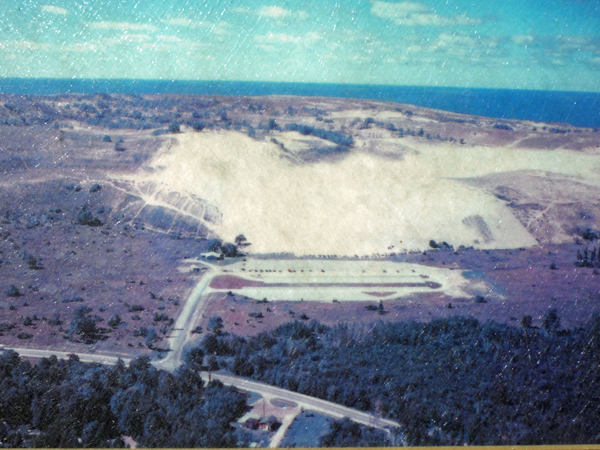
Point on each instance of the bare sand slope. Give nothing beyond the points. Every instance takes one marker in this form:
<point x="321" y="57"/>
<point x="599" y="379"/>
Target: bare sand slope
<point x="553" y="207"/>
<point x="363" y="204"/>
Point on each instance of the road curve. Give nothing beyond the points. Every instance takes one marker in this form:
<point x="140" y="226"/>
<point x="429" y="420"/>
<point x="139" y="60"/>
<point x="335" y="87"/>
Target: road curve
<point x="307" y="402"/>
<point x="267" y="391"/>
<point x="194" y="307"/>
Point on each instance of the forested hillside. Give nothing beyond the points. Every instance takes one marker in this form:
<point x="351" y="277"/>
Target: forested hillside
<point x="449" y="382"/>
<point x="72" y="404"/>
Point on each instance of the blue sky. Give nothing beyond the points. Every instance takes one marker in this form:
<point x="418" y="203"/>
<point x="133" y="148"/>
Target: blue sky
<point x="518" y="44"/>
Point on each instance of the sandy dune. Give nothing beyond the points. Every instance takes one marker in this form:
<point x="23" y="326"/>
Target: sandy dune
<point x="363" y="204"/>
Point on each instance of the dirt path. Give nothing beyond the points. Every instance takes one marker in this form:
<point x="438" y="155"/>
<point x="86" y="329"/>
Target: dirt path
<point x="285" y="424"/>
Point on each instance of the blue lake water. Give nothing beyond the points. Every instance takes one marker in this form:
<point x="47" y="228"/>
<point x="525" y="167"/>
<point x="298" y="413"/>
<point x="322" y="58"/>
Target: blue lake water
<point x="575" y="108"/>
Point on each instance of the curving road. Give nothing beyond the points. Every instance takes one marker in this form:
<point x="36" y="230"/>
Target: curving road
<point x="194" y="308"/>
<point x="305" y="401"/>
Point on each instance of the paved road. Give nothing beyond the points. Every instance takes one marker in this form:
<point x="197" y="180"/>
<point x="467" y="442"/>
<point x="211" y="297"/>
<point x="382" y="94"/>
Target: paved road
<point x="305" y="401"/>
<point x="193" y="309"/>
<point x="110" y="360"/>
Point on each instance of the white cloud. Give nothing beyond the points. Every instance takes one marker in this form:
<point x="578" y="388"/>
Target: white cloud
<point x="169" y="38"/>
<point x="123" y="26"/>
<point x="157" y="47"/>
<point x="81" y="47"/>
<point x="178" y="43"/>
<point x="551" y="50"/>
<point x="366" y="40"/>
<point x="558" y="49"/>
<point x="416" y="14"/>
<point x="360" y="59"/>
<point x="475" y="49"/>
<point x="54" y="10"/>
<point x="275" y="12"/>
<point x="183" y="22"/>
<point x="578" y="43"/>
<point x="268" y="48"/>
<point x="300" y="15"/>
<point x="435" y="20"/>
<point x="280" y="37"/>
<point x="23" y="45"/>
<point x="136" y="37"/>
<point x="523" y="40"/>
<point x="446" y="40"/>
<point x="397" y="10"/>
<point x="221" y="27"/>
<point x="288" y="38"/>
<point x="125" y="39"/>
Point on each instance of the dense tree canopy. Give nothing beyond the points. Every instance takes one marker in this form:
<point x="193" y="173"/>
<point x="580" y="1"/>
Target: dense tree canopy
<point x="345" y="433"/>
<point x="60" y="403"/>
<point x="450" y="381"/>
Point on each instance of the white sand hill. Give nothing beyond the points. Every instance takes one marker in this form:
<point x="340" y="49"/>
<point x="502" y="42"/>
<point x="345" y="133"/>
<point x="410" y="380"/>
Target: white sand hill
<point x="363" y="204"/>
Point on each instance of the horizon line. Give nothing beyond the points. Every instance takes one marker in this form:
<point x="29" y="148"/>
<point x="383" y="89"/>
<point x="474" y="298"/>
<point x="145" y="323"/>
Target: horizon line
<point x="169" y="80"/>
